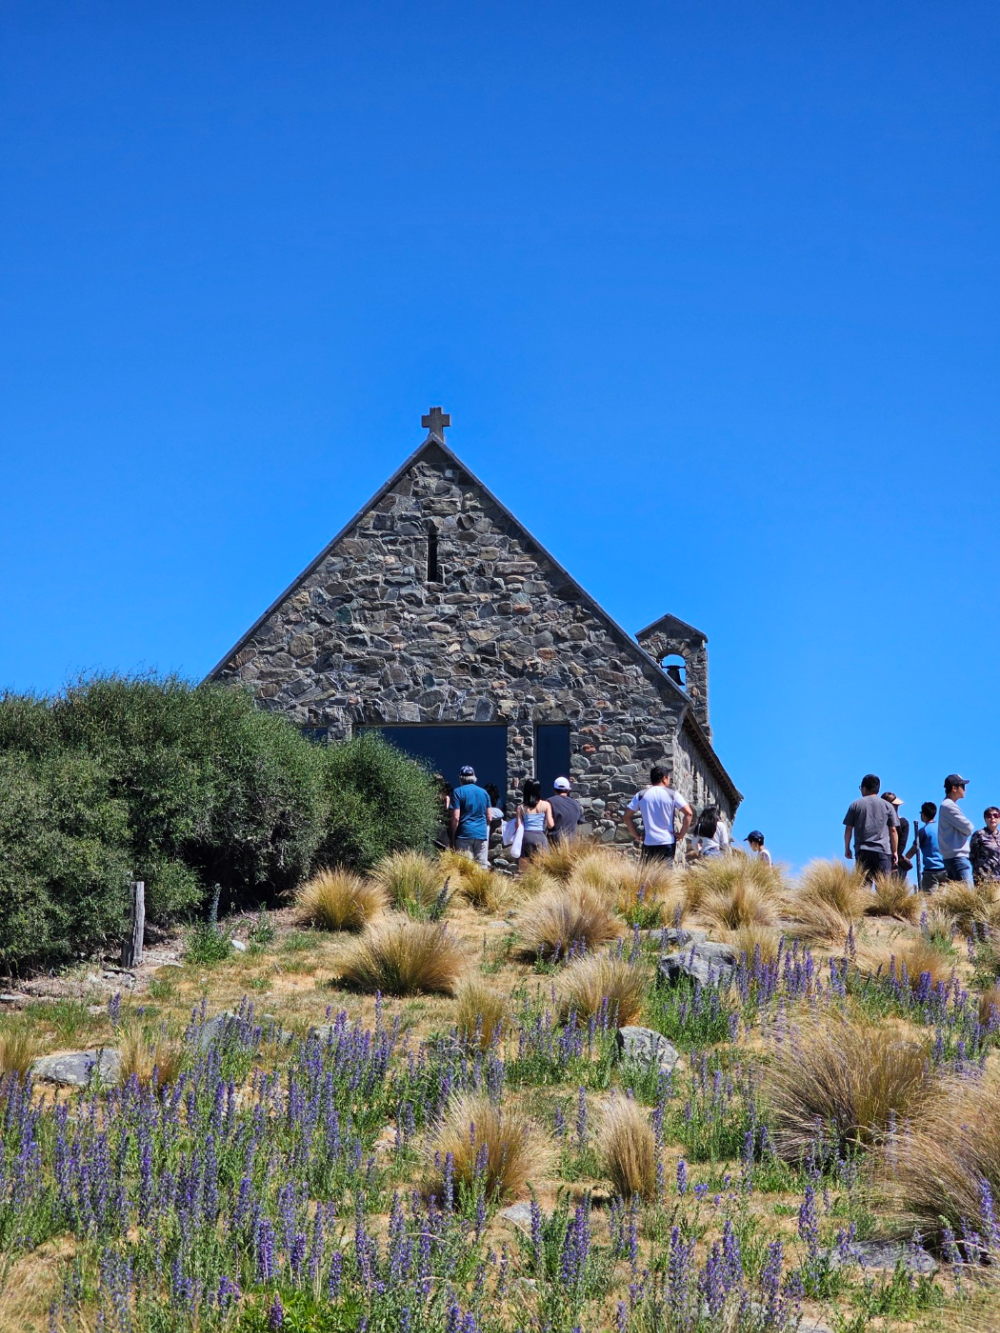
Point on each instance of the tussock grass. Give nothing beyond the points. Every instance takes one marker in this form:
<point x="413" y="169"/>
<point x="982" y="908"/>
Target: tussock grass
<point x="743" y="903"/>
<point x="560" y="859"/>
<point x="962" y="904"/>
<point x="814" y="921"/>
<point x="658" y="900"/>
<point x="404" y="957"/>
<point x="934" y="1169"/>
<point x="835" y="884"/>
<point x="893" y="897"/>
<point x="844" y="1079"/>
<point x="602" y="982"/>
<point x="500" y="1151"/>
<point x="535" y="881"/>
<point x="481" y="1013"/>
<point x="989" y="1007"/>
<point x="486" y="890"/>
<point x="720" y="878"/>
<point x="619" y="874"/>
<point x="412" y="881"/>
<point x="627" y="1148"/>
<point x="18" y="1048"/>
<point x="921" y="957"/>
<point x="152" y="1059"/>
<point x="761" y="941"/>
<point x="339" y="900"/>
<point x="573" y="918"/>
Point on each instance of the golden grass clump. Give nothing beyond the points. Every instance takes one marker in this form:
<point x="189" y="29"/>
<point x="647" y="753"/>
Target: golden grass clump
<point x="627" y="1148"/>
<point x="412" y="880"/>
<point x="18" y="1049"/>
<point x="481" y="1013"/>
<point x="720" y="878"/>
<point x="602" y="982"/>
<point x="814" y="921"/>
<point x="989" y="1007"/>
<point x="922" y="957"/>
<point x="895" y="898"/>
<point x="845" y="1079"/>
<point x="485" y="889"/>
<point x="761" y="941"/>
<point x="618" y="873"/>
<point x="404" y="957"/>
<point x="152" y="1059"/>
<point x="514" y="1154"/>
<point x="934" y="1169"/>
<point x="962" y="904"/>
<point x="740" y="904"/>
<point x="560" y="859"/>
<point x="535" y="880"/>
<point x="836" y="884"/>
<point x="572" y="918"/>
<point x="336" y="899"/>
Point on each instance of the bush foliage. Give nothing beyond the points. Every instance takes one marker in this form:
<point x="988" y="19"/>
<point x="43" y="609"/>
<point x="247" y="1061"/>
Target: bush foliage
<point x="184" y="786"/>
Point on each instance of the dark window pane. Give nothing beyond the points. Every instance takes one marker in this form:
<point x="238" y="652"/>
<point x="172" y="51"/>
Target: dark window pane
<point x="551" y="753"/>
<point x="446" y="748"/>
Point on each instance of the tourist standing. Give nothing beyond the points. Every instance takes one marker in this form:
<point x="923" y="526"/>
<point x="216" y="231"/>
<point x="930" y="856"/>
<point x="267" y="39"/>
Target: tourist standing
<point x="984" y="850"/>
<point x="710" y="836"/>
<point x="874" y="824"/>
<point x="658" y="805"/>
<point x="470" y="829"/>
<point x="954" y="831"/>
<point x="903" y="864"/>
<point x="757" y="849"/>
<point x="567" y="813"/>
<point x="931" y="862"/>
<point x="535" y="818"/>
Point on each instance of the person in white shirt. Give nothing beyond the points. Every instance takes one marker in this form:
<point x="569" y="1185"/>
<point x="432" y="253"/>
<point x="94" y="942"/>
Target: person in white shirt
<point x="756" y="840"/>
<point x="658" y="805"/>
<point x="711" y="837"/>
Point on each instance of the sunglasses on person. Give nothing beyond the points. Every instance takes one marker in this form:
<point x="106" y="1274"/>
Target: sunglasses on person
<point x="992" y="814"/>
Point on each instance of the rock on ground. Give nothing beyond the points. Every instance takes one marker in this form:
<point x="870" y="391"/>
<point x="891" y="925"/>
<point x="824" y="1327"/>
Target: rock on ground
<point x="708" y="963"/>
<point x="76" y="1069"/>
<point x="643" y="1046"/>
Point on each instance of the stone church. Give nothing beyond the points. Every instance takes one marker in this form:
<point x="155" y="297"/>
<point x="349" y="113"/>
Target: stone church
<point x="437" y="619"/>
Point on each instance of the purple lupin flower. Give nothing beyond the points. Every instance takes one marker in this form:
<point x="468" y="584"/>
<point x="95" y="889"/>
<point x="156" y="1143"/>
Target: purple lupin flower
<point x="276" y="1314"/>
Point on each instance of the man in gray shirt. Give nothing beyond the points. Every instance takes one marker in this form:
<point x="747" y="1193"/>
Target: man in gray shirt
<point x="874" y="824"/>
<point x="954" y="830"/>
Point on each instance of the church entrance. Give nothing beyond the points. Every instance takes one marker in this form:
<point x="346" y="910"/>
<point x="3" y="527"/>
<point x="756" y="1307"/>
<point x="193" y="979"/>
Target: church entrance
<point x="444" y="749"/>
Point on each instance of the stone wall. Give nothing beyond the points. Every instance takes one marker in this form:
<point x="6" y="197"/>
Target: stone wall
<point x="502" y="636"/>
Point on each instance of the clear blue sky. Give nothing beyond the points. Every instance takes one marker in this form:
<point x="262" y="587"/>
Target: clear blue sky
<point x="711" y="291"/>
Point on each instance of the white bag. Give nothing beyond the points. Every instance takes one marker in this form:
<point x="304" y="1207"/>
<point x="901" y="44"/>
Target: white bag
<point x="515" y="846"/>
<point x="509" y="831"/>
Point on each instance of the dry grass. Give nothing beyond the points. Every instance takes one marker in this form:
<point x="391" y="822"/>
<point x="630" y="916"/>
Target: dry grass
<point x="602" y="983"/>
<point x="498" y="1150"/>
<point x="618" y="873"/>
<point x="844" y="1079"/>
<point x="655" y="900"/>
<point x="486" y="890"/>
<point x="922" y="958"/>
<point x="755" y="941"/>
<point x="535" y="881"/>
<point x="18" y="1048"/>
<point x="559" y="859"/>
<point x="404" y="957"/>
<point x="971" y="907"/>
<point x="627" y="1148"/>
<point x="720" y="878"/>
<point x="893" y="897"/>
<point x="989" y="1007"/>
<point x="151" y="1059"/>
<point x="573" y="918"/>
<point x="835" y="884"/>
<point x="338" y="900"/>
<point x="481" y="1013"/>
<point x="741" y="904"/>
<point x="934" y="1170"/>
<point x="814" y="921"/>
<point x="413" y="881"/>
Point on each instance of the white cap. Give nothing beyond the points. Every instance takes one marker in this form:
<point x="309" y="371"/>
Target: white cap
<point x="561" y="784"/>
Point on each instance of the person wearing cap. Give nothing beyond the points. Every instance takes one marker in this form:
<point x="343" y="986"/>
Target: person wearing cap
<point x="954" y="831"/>
<point x="659" y="805"/>
<point x="757" y="849"/>
<point x="925" y="840"/>
<point x="874" y="824"/>
<point x="984" y="850"/>
<point x="567" y="813"/>
<point x="470" y="806"/>
<point x="903" y="863"/>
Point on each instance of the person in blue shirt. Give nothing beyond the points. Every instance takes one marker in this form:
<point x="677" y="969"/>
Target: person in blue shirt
<point x="931" y="861"/>
<point x="470" y="807"/>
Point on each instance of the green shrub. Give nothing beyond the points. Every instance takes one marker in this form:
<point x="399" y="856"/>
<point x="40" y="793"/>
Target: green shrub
<point x="378" y="801"/>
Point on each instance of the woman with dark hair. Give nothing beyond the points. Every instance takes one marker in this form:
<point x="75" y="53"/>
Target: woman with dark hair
<point x="709" y="832"/>
<point x="534" y="817"/>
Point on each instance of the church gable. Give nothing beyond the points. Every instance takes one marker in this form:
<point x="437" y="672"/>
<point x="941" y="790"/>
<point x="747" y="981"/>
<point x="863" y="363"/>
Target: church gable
<point x="434" y="606"/>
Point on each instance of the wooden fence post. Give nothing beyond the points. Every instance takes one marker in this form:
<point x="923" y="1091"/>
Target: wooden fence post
<point x="132" y="946"/>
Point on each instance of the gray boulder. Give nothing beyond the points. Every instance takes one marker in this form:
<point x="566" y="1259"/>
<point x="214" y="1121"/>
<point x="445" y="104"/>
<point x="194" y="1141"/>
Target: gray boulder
<point x="680" y="936"/>
<point x="77" y="1069"/>
<point x="709" y="963"/>
<point x="519" y="1214"/>
<point x="214" y="1028"/>
<point x="884" y="1255"/>
<point x="645" y="1047"/>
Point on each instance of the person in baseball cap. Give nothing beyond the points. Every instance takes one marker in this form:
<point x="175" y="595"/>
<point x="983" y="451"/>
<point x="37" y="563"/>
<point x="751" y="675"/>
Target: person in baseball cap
<point x="955" y="830"/>
<point x="903" y="864"/>
<point x="757" y="849"/>
<point x="566" y="812"/>
<point x="470" y="826"/>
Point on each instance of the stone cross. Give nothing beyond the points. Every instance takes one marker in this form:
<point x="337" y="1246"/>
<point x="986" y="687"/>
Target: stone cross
<point x="435" y="421"/>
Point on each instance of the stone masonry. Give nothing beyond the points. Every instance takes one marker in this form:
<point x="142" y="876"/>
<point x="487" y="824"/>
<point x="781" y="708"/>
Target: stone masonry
<point x="503" y="634"/>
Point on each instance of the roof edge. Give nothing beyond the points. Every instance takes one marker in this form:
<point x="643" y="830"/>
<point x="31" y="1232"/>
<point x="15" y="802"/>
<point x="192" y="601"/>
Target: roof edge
<point x="690" y="724"/>
<point x="677" y="621"/>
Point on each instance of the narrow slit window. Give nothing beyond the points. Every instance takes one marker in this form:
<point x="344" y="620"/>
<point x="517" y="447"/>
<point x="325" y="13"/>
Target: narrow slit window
<point x="433" y="573"/>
